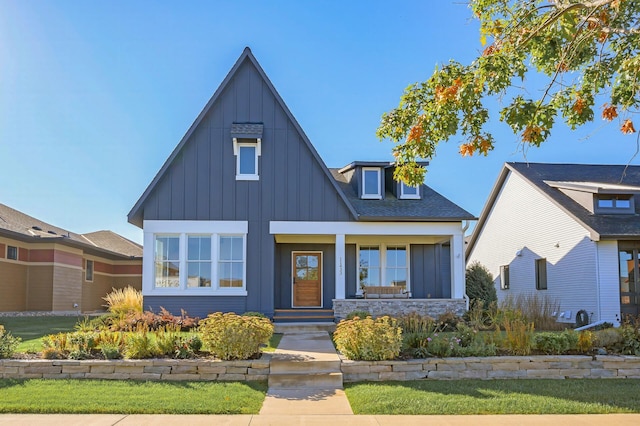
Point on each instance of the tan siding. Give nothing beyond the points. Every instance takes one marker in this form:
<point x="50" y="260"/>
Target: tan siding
<point x="13" y="286"/>
<point x="40" y="288"/>
<point x="67" y="288"/>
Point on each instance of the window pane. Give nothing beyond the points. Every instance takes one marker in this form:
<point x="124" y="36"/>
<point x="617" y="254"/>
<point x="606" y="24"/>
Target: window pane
<point x="247" y="160"/>
<point x="236" y="274"/>
<point x="224" y="274"/>
<point x="12" y="252"/>
<point x="371" y="182"/>
<point x="409" y="190"/>
<point x="605" y="203"/>
<point x="312" y="261"/>
<point x="174" y="248"/>
<point x="396" y="277"/>
<point x="225" y="248"/>
<point x="236" y="248"/>
<point x="623" y="203"/>
<point x="199" y="248"/>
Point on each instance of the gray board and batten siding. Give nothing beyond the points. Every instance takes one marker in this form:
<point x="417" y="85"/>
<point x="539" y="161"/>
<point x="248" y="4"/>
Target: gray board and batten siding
<point x="198" y="182"/>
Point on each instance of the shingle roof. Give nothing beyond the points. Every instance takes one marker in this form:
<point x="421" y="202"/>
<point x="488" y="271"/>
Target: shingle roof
<point x="608" y="226"/>
<point x="16" y="223"/>
<point x="431" y="207"/>
<point x="247" y="130"/>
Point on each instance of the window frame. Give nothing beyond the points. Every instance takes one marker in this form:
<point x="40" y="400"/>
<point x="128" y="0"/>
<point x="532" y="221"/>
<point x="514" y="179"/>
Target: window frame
<point x="88" y="276"/>
<point x="404" y="196"/>
<point x="383" y="248"/>
<point x="16" y="251"/>
<point x="614" y="209"/>
<point x="378" y="194"/>
<point x="218" y="261"/>
<point x="182" y="230"/>
<point x="199" y="261"/>
<point x="541" y="274"/>
<point x="247" y="176"/>
<point x="504" y="277"/>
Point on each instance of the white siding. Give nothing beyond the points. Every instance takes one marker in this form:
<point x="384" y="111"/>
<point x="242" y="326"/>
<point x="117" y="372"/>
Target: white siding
<point x="609" y="277"/>
<point x="525" y="221"/>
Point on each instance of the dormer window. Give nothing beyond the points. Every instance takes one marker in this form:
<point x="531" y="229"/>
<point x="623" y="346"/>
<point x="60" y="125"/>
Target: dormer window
<point x="247" y="147"/>
<point x="614" y="203"/>
<point x="409" y="192"/>
<point x="371" y="183"/>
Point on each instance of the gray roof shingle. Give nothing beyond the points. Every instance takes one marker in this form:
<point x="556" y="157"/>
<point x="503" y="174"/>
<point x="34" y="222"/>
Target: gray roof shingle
<point x="430" y="207"/>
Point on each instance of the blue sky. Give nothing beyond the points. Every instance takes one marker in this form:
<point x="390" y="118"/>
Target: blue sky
<point x="95" y="95"/>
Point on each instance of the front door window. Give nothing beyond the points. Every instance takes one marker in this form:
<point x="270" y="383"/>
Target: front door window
<point x="629" y="282"/>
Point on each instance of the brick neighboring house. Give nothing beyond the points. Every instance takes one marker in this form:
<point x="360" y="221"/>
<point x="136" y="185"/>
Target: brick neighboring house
<point x="46" y="268"/>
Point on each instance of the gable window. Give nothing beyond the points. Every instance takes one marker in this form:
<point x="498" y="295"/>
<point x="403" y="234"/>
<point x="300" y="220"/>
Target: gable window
<point x="541" y="274"/>
<point x="504" y="277"/>
<point x="371" y="183"/>
<point x="198" y="261"/>
<point x="409" y="192"/>
<point x="384" y="265"/>
<point x="247" y="162"/>
<point x="12" y="252"/>
<point x="88" y="270"/>
<point x="167" y="261"/>
<point x="231" y="262"/>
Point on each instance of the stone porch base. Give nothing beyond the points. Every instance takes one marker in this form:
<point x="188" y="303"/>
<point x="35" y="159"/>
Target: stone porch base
<point x="398" y="307"/>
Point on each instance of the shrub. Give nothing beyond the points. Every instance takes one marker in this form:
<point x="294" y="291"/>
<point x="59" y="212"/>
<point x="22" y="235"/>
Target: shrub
<point x="552" y="343"/>
<point x="607" y="338"/>
<point x="537" y="309"/>
<point x="479" y="285"/>
<point x="359" y="314"/>
<point x="153" y="321"/>
<point x="140" y="345"/>
<point x="187" y="347"/>
<point x="254" y="314"/>
<point x="518" y="333"/>
<point x="167" y="339"/>
<point x="8" y="343"/>
<point x="630" y="342"/>
<point x="122" y="301"/>
<point x="449" y="321"/>
<point x="368" y="339"/>
<point x="585" y="341"/>
<point x="230" y="336"/>
<point x="110" y="351"/>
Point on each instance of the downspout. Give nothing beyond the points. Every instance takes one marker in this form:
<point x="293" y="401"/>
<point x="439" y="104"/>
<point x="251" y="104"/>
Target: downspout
<point x="464" y="229"/>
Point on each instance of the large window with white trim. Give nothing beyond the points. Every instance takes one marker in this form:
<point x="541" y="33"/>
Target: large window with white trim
<point x="247" y="161"/>
<point x="198" y="262"/>
<point x="409" y="192"/>
<point x="383" y="265"/>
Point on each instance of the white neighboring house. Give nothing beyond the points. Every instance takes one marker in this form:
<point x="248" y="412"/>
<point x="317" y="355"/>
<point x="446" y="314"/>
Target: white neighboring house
<point x="570" y="231"/>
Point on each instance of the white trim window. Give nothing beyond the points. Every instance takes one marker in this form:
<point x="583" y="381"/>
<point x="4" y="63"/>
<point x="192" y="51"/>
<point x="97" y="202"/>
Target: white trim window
<point x="409" y="192"/>
<point x="247" y="152"/>
<point x="384" y="265"/>
<point x="195" y="257"/>
<point x="371" y="183"/>
<point x="199" y="270"/>
<point x="231" y="264"/>
<point x="88" y="270"/>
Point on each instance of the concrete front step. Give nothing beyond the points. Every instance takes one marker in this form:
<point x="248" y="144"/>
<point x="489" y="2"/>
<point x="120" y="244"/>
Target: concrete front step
<point x="306" y="380"/>
<point x="304" y="327"/>
<point x="282" y="366"/>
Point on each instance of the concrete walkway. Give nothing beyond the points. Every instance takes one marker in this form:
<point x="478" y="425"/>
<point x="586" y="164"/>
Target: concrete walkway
<point x="305" y="377"/>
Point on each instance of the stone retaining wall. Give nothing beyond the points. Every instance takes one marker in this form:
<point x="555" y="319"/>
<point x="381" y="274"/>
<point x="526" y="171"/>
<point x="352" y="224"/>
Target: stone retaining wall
<point x="144" y="369"/>
<point x="499" y="367"/>
<point x="398" y="307"/>
<point x="503" y="367"/>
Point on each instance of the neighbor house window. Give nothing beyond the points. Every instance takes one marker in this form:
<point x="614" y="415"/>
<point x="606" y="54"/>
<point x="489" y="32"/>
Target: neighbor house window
<point x="12" y="252"/>
<point x="541" y="274"/>
<point x="198" y="261"/>
<point x="371" y="183"/>
<point x="231" y="262"/>
<point x="167" y="261"/>
<point x="409" y="192"/>
<point x="615" y="203"/>
<point x="88" y="270"/>
<point x="369" y="273"/>
<point x="504" y="277"/>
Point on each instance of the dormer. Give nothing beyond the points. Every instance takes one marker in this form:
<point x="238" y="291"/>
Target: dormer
<point x="600" y="198"/>
<point x="247" y="148"/>
<point x="371" y="180"/>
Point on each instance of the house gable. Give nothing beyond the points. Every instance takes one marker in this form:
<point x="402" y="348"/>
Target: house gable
<point x="198" y="180"/>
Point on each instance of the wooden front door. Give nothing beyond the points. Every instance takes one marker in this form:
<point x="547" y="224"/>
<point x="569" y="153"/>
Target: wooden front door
<point x="307" y="279"/>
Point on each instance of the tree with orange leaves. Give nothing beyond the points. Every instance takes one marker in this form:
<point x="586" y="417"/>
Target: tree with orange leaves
<point x="588" y="50"/>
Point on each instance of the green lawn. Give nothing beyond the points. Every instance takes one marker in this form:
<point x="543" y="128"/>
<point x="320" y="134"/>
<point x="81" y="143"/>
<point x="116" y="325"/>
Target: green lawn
<point x="586" y="396"/>
<point x="130" y="397"/>
<point x="32" y="329"/>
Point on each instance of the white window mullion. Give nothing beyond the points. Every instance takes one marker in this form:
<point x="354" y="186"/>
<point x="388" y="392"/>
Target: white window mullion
<point x="383" y="264"/>
<point x="215" y="241"/>
<point x="183" y="261"/>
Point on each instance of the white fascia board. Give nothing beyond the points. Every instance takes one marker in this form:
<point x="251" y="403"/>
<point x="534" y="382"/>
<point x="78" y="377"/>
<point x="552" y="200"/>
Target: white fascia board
<point x="196" y="226"/>
<point x="365" y="228"/>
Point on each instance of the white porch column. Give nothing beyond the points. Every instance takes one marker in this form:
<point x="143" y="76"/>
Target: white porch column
<point x="457" y="266"/>
<point x="340" y="267"/>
